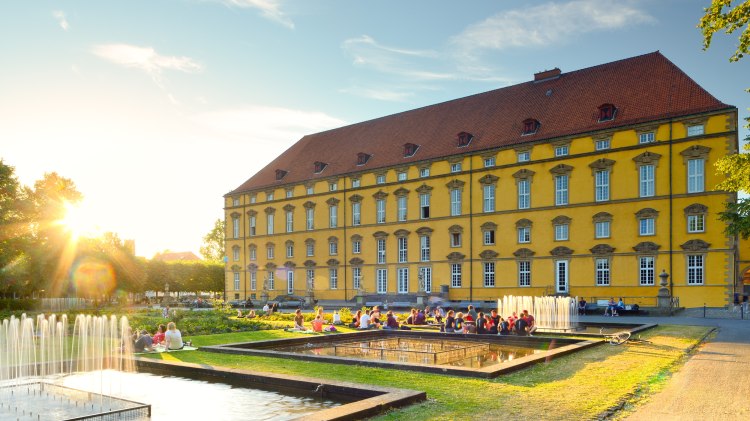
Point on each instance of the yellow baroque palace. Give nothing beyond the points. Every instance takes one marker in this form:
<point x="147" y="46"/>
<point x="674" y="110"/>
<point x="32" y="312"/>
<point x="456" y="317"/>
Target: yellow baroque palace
<point x="589" y="183"/>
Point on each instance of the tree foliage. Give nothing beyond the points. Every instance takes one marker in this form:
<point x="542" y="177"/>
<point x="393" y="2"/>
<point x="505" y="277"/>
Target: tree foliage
<point x="213" y="243"/>
<point x="722" y="16"/>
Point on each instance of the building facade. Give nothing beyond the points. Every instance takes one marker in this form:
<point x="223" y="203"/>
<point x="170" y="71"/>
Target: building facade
<point x="588" y="183"/>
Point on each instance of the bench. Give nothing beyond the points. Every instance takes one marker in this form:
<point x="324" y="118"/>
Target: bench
<point x="629" y="309"/>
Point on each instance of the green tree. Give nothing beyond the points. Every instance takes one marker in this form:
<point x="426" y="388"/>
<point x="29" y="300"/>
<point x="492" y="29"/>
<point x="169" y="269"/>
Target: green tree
<point x="721" y="15"/>
<point x="13" y="230"/>
<point x="213" y="243"/>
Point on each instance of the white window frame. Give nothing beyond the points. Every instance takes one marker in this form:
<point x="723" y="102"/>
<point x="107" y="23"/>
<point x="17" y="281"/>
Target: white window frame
<point x="253" y="198"/>
<point x="270" y="251"/>
<point x="602" y="229"/>
<point x="696" y="223"/>
<point x="424" y="206"/>
<point x="356" y="183"/>
<point x="333" y="186"/>
<point x="562" y="280"/>
<point x="602" y="267"/>
<point x="333" y="278"/>
<point x="271" y="281"/>
<point x="357" y="277"/>
<point x="648" y="137"/>
<point x="356" y="247"/>
<point x="381" y="276"/>
<point x="235" y="227"/>
<point x="310" y="219"/>
<point x="561" y="190"/>
<point x="401" y="176"/>
<point x="488" y="237"/>
<point x="253" y="280"/>
<point x="356" y="214"/>
<point x="310" y="249"/>
<point x="309" y="190"/>
<point x="235" y="253"/>
<point x="310" y="278"/>
<point x="696" y="130"/>
<point x="402" y="205"/>
<point x="696" y="175"/>
<point x="290" y="282"/>
<point x="524" y="273"/>
<point x="333" y="248"/>
<point x="424" y="248"/>
<point x="402" y="275"/>
<point x="489" y="274"/>
<point x="380" y="211"/>
<point x="269" y="223"/>
<point x="646" y="270"/>
<point x="269" y="197"/>
<point x="488" y="200"/>
<point x="380" y="179"/>
<point x="253" y="225"/>
<point x="403" y="249"/>
<point x="381" y="250"/>
<point x="456" y="167"/>
<point x="524" y="194"/>
<point x="236" y="281"/>
<point x="253" y="253"/>
<point x="524" y="156"/>
<point x="289" y="193"/>
<point x="289" y="221"/>
<point x="647" y="180"/>
<point x="696" y="269"/>
<point x="562" y="232"/>
<point x="602" y="145"/>
<point x="424" y="172"/>
<point x="561" y="150"/>
<point x="290" y="250"/>
<point x="456" y="239"/>
<point x="235" y="201"/>
<point x="601" y="184"/>
<point x="333" y="216"/>
<point x="456" y="275"/>
<point x="426" y="273"/>
<point x="489" y="162"/>
<point x="524" y="235"/>
<point x="455" y="202"/>
<point x="647" y="226"/>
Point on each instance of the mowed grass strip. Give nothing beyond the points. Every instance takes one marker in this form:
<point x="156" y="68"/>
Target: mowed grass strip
<point x="579" y="386"/>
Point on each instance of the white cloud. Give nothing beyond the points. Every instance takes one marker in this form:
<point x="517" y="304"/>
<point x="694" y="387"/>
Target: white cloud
<point x="61" y="19"/>
<point x="547" y="24"/>
<point x="145" y="58"/>
<point x="268" y="124"/>
<point x="379" y="94"/>
<point x="365" y="51"/>
<point x="270" y="9"/>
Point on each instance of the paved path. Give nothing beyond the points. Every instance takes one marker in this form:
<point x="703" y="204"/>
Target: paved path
<point x="714" y="384"/>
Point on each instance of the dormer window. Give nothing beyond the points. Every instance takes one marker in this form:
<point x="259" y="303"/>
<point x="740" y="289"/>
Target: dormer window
<point x="607" y="112"/>
<point x="362" y="158"/>
<point x="280" y="174"/>
<point x="320" y="166"/>
<point x="410" y="149"/>
<point x="464" y="139"/>
<point x="530" y="126"/>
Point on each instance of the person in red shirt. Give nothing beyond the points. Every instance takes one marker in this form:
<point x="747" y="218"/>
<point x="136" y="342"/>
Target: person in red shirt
<point x="158" y="337"/>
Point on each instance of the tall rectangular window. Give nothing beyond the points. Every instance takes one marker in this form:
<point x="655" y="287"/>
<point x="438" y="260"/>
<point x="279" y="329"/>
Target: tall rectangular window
<point x="695" y="175"/>
<point x="489" y="198"/>
<point x="426" y="273"/>
<point x="310" y="218"/>
<point x="356" y="214"/>
<point x="236" y="254"/>
<point x="271" y="281"/>
<point x="382" y="280"/>
<point x="646" y="226"/>
<point x="424" y="248"/>
<point x="253" y="253"/>
<point x="309" y="190"/>
<point x="253" y="198"/>
<point x="424" y="205"/>
<point x="290" y="250"/>
<point x="357" y="277"/>
<point x="381" y="250"/>
<point x="310" y="278"/>
<point x="524" y="194"/>
<point x="489" y="237"/>
<point x="524" y="273"/>
<point x="253" y="221"/>
<point x="270" y="251"/>
<point x="269" y="218"/>
<point x="561" y="232"/>
<point x="695" y="268"/>
<point x="455" y="275"/>
<point x="403" y="280"/>
<point x="489" y="274"/>
<point x="290" y="282"/>
<point x="289" y="193"/>
<point x="380" y="211"/>
<point x="289" y="221"/>
<point x="601" y="180"/>
<point x="455" y="239"/>
<point x="333" y="186"/>
<point x="333" y="248"/>
<point x="401" y="203"/>
<point x="602" y="229"/>
<point x="524" y="234"/>
<point x="646" y="180"/>
<point x="253" y="280"/>
<point x="455" y="202"/>
<point x="236" y="281"/>
<point x="696" y="223"/>
<point x="235" y="227"/>
<point x="356" y="247"/>
<point x="333" y="216"/>
<point x="602" y="271"/>
<point x="402" y="249"/>
<point x="310" y="246"/>
<point x="646" y="275"/>
<point x="561" y="190"/>
<point x="333" y="278"/>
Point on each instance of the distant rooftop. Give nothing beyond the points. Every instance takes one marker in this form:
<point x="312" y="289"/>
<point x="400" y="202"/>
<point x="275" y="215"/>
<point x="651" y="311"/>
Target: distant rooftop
<point x="177" y="257"/>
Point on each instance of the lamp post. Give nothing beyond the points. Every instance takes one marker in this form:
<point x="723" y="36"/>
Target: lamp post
<point x="663" y="297"/>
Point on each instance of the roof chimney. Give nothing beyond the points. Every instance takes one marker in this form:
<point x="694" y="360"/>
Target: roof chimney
<point x="547" y="74"/>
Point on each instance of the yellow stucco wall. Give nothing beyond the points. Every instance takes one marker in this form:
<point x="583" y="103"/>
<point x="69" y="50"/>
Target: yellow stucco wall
<point x="623" y="204"/>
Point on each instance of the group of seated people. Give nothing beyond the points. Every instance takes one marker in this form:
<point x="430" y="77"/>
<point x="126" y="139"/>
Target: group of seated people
<point x="168" y="338"/>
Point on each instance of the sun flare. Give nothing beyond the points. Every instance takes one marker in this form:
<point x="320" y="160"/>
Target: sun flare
<point x="80" y="221"/>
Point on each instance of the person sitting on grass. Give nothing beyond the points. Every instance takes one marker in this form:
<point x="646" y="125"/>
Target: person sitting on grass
<point x="438" y="317"/>
<point x="355" y="321"/>
<point x="375" y="316"/>
<point x="336" y="318"/>
<point x="390" y="321"/>
<point x="158" y="337"/>
<point x="299" y="320"/>
<point x="411" y="320"/>
<point x="266" y="309"/>
<point x="239" y="314"/>
<point x="173" y="337"/>
<point x="250" y="315"/>
<point x="364" y="321"/>
<point x="318" y="322"/>
<point x="144" y="342"/>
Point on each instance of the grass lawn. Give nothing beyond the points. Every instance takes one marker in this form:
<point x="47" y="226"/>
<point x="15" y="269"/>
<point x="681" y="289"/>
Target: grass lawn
<point x="580" y="386"/>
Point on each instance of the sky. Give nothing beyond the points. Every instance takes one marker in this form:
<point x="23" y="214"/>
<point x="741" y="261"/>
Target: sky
<point x="157" y="108"/>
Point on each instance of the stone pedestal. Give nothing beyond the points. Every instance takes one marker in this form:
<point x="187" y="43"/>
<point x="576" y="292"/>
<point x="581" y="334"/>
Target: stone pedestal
<point x="309" y="298"/>
<point x="663" y="297"/>
<point x="264" y="296"/>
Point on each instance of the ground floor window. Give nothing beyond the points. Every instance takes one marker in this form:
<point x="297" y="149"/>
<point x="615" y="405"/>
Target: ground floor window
<point x="695" y="269"/>
<point x="382" y="280"/>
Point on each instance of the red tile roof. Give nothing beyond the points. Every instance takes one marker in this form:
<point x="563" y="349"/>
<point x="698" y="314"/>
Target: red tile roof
<point x="177" y="257"/>
<point x="643" y="88"/>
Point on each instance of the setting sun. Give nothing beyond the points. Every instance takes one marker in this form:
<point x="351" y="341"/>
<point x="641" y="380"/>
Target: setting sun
<point x="80" y="221"/>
